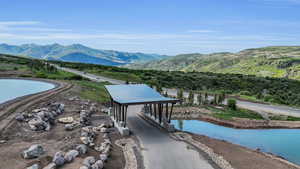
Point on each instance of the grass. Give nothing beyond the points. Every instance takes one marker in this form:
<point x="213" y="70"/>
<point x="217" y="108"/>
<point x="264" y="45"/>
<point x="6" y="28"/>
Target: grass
<point x="228" y="114"/>
<point x="94" y="91"/>
<point x="285" y="118"/>
<point x="117" y="75"/>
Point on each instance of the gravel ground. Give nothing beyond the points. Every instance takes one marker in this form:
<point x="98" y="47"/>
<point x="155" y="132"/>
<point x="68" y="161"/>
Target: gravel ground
<point x="18" y="137"/>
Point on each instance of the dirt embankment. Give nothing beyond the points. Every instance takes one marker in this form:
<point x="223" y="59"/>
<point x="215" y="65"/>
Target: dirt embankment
<point x="243" y="158"/>
<point x="195" y="113"/>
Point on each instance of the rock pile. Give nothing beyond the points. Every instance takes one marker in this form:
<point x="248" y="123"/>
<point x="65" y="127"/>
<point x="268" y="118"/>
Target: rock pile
<point x="42" y="118"/>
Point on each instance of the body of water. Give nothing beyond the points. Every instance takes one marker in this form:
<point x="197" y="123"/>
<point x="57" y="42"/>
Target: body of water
<point x="13" y="88"/>
<point x="282" y="142"/>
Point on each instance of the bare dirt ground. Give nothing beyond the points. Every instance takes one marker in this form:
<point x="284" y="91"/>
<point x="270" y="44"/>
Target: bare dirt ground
<point x="242" y="158"/>
<point x="19" y="137"/>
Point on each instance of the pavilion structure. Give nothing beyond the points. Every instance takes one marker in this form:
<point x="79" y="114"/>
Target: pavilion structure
<point x="158" y="107"/>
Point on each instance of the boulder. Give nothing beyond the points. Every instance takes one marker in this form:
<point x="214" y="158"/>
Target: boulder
<point x="103" y="157"/>
<point x="33" y="151"/>
<point x="20" y="117"/>
<point x="37" y="124"/>
<point x="34" y="166"/>
<point x="88" y="161"/>
<point x="71" y="155"/>
<point x="66" y="120"/>
<point x="82" y="149"/>
<point x="50" y="166"/>
<point x="97" y="165"/>
<point x="104" y="130"/>
<point x="59" y="159"/>
<point x="72" y="126"/>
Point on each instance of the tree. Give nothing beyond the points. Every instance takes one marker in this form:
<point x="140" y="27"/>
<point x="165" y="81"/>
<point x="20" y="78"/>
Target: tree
<point x="222" y="97"/>
<point x="159" y="89"/>
<point x="206" y="101"/>
<point x="199" y="98"/>
<point x="191" y="98"/>
<point x="231" y="104"/>
<point x="180" y="95"/>
<point x="215" y="99"/>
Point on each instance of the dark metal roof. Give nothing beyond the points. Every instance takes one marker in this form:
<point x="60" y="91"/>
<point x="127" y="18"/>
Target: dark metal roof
<point x="136" y="94"/>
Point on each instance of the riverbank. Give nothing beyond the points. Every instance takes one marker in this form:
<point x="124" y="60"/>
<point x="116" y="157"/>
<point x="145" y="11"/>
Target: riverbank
<point x="203" y="114"/>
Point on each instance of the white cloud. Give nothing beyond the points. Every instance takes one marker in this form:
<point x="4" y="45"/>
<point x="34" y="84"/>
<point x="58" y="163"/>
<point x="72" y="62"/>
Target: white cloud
<point x="17" y="23"/>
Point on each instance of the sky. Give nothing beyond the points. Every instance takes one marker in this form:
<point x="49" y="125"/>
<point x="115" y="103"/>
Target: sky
<point x="153" y="26"/>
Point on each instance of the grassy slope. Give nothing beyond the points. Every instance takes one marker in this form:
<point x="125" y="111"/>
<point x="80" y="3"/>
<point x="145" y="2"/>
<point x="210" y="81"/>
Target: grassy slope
<point x="280" y="61"/>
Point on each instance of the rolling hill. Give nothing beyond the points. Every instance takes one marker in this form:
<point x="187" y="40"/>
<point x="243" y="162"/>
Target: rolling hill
<point x="275" y="61"/>
<point x="77" y="53"/>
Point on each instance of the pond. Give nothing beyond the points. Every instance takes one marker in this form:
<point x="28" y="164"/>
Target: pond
<point x="282" y="142"/>
<point x="13" y="88"/>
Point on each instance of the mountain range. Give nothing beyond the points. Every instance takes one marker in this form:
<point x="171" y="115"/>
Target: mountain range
<point x="273" y="61"/>
<point x="77" y="53"/>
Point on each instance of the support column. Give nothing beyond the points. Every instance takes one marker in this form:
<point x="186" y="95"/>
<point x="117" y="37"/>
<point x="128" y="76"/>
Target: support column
<point x="125" y="120"/>
<point x="159" y="113"/>
<point x="154" y="111"/>
<point x="171" y="113"/>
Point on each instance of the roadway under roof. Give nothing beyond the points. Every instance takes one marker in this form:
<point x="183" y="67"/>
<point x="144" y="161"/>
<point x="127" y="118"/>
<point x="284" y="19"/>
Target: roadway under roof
<point x="136" y="94"/>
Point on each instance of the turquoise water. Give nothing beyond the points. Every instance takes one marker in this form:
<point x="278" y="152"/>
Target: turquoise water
<point x="13" y="88"/>
<point x="282" y="142"/>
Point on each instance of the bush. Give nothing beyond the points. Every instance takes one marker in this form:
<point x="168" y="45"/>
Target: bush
<point x="246" y="93"/>
<point x="231" y="103"/>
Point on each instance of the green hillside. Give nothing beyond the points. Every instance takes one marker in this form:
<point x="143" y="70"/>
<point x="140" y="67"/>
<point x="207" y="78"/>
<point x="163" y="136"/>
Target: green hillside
<point x="277" y="61"/>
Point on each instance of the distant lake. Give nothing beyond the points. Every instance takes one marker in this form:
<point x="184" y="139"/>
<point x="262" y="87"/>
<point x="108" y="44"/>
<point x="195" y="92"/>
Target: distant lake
<point x="13" y="88"/>
<point x="282" y="142"/>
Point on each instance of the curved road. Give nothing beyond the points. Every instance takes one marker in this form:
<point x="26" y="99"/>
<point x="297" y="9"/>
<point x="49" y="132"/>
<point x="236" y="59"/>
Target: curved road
<point x="259" y="107"/>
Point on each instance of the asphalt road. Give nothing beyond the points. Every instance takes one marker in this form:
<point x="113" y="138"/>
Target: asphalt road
<point x="259" y="107"/>
<point x="159" y="150"/>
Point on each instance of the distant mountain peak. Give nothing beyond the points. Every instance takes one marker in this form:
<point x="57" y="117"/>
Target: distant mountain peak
<point x="77" y="53"/>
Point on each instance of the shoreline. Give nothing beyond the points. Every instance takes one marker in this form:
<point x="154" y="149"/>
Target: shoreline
<point x="240" y="123"/>
<point x="222" y="144"/>
<point x="9" y="109"/>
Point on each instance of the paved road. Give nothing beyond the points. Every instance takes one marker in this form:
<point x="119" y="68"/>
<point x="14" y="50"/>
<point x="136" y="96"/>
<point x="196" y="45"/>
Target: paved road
<point x="284" y="110"/>
<point x="258" y="107"/>
<point x="159" y="150"/>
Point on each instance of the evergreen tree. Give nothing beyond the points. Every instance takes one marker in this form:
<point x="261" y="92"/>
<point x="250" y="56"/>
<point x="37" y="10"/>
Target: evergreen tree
<point x="191" y="98"/>
<point x="199" y="99"/>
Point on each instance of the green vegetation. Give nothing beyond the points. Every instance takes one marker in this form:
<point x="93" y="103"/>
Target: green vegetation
<point x="37" y="68"/>
<point x="93" y="91"/>
<point x="284" y="118"/>
<point x="275" y="90"/>
<point x="231" y="104"/>
<point x="228" y="114"/>
<point x="277" y="61"/>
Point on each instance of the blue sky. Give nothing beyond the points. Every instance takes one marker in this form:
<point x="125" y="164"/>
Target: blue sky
<point x="153" y="26"/>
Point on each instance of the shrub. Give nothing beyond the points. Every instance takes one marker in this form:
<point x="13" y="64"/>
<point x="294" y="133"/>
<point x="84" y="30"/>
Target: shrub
<point x="231" y="103"/>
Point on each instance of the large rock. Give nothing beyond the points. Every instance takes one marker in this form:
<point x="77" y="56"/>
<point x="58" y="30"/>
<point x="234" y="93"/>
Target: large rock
<point x="34" y="166"/>
<point x="82" y="149"/>
<point x="59" y="159"/>
<point x="89" y="161"/>
<point x="66" y="120"/>
<point x="103" y="157"/>
<point x="97" y="165"/>
<point x="71" y="155"/>
<point x="20" y="117"/>
<point x="50" y="166"/>
<point x="33" y="151"/>
<point x="37" y="124"/>
<point x="72" y="126"/>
